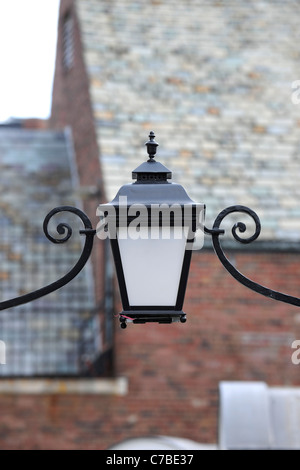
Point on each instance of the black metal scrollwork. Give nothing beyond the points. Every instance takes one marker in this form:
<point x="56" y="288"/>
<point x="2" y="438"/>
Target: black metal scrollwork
<point x="215" y="232"/>
<point x="62" y="229"/>
<point x="65" y="232"/>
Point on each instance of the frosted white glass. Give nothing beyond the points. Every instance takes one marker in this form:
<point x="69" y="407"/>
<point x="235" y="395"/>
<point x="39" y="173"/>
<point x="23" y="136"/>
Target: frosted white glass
<point x="152" y="266"/>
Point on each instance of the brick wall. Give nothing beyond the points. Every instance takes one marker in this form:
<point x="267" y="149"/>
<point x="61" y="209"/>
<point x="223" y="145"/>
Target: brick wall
<point x="71" y="107"/>
<point x="174" y="370"/>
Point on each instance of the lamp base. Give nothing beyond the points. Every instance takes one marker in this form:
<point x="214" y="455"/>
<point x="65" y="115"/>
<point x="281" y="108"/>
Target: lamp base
<point x="151" y="316"/>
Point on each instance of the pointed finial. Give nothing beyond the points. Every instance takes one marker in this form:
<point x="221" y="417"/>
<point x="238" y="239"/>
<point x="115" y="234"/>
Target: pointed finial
<point x="151" y="146"/>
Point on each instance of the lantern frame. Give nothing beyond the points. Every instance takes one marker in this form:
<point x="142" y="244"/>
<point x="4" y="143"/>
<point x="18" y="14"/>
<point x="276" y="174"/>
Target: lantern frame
<point x="152" y="197"/>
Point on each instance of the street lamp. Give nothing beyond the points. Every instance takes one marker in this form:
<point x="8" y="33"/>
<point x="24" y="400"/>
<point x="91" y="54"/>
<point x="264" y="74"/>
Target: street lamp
<point x="153" y="227"/>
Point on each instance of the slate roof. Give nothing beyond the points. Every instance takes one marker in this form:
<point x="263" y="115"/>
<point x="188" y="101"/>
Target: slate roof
<point x="213" y="80"/>
<point x="47" y="336"/>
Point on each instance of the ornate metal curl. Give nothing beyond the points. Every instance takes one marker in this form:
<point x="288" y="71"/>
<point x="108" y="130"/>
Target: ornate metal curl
<point x="215" y="232"/>
<point x="61" y="229"/>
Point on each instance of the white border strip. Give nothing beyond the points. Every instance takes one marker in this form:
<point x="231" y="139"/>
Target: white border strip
<point x="117" y="386"/>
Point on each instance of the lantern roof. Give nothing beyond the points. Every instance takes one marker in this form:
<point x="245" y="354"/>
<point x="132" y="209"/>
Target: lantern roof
<point x="151" y="185"/>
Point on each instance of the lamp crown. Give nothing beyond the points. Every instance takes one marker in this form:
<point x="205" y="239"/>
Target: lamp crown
<point x="151" y="146"/>
<point x="151" y="171"/>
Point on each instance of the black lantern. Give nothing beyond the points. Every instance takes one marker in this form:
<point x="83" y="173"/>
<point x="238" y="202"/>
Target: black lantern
<point x="152" y="225"/>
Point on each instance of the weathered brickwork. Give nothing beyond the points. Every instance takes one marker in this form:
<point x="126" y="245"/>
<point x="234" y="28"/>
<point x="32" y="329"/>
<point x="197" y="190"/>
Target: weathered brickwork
<point x="71" y="106"/>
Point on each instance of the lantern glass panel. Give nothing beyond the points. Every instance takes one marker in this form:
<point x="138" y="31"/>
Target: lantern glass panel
<point x="152" y="262"/>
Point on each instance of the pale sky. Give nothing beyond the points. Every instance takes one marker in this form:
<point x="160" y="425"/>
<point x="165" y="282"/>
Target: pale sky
<point x="28" y="33"/>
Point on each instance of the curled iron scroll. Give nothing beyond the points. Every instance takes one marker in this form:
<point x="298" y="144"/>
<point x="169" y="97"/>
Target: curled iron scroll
<point x="66" y="230"/>
<point x="215" y="232"/>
